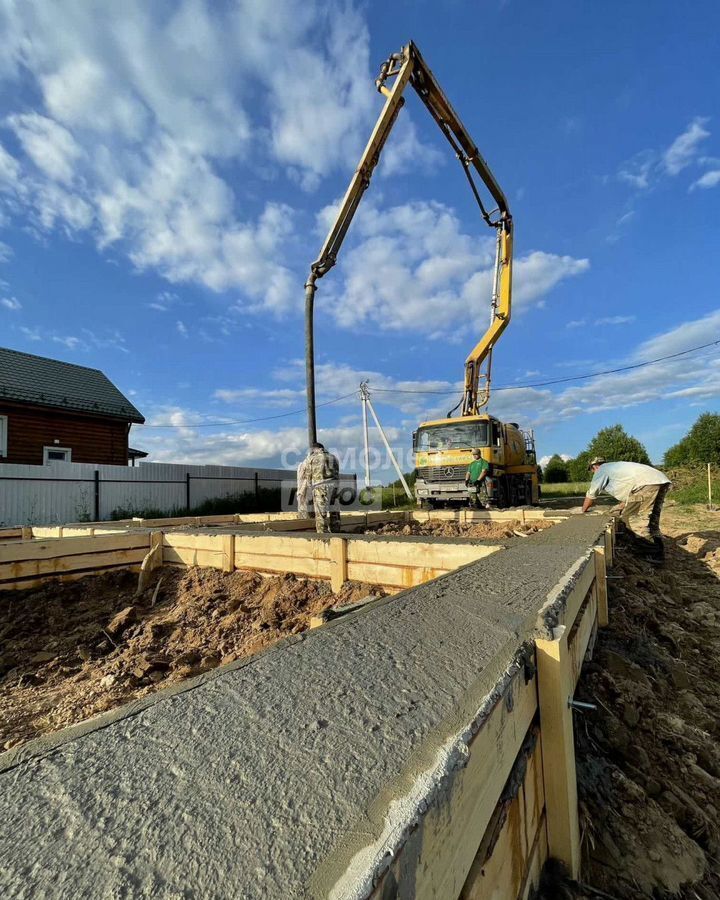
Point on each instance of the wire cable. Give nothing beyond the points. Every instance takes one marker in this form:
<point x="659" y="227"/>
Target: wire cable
<point x="510" y="387"/>
<point x="293" y="412"/>
<point x="535" y="384"/>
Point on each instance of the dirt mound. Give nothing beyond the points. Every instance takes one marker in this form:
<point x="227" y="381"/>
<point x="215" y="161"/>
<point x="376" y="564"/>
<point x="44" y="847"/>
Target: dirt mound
<point x="72" y="650"/>
<point x="489" y="529"/>
<point x="648" y="760"/>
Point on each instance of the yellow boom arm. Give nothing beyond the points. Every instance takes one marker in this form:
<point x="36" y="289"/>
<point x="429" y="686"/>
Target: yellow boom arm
<point x="406" y="67"/>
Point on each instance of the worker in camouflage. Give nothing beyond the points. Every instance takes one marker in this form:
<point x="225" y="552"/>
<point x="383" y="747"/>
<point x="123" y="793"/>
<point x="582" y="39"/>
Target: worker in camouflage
<point x="323" y="473"/>
<point x="303" y="495"/>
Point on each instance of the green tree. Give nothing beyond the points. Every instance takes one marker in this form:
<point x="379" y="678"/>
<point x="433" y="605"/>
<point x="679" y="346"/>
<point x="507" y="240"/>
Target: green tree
<point x="578" y="467"/>
<point x="556" y="471"/>
<point x="700" y="445"/>
<point x="614" y="443"/>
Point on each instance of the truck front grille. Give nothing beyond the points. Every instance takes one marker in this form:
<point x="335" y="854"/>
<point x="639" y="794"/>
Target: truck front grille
<point x="442" y="473"/>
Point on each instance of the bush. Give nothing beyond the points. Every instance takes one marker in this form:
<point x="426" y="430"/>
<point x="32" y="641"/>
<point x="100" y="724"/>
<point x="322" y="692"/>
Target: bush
<point x="700" y="445"/>
<point x="556" y="471"/>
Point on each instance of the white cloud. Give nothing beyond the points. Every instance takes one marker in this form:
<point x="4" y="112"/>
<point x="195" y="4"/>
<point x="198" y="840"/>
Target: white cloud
<point x="164" y="301"/>
<point x="181" y="328"/>
<point x="50" y="146"/>
<point x="685" y="147"/>
<point x="576" y="323"/>
<point x="141" y="110"/>
<point x="637" y="171"/>
<point x="615" y="320"/>
<point x="412" y="268"/>
<point x="644" y="169"/>
<point x="69" y="341"/>
<point x="11" y="303"/>
<point x="710" y="179"/>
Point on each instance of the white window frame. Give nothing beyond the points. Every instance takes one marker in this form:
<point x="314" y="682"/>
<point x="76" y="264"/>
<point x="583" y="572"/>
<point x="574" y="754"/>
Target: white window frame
<point x="54" y="447"/>
<point x="3" y="435"/>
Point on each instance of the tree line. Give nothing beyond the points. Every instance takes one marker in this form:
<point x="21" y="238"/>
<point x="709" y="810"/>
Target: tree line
<point x="700" y="445"/>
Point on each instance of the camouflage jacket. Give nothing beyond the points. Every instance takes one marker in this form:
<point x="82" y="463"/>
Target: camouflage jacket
<point x="322" y="467"/>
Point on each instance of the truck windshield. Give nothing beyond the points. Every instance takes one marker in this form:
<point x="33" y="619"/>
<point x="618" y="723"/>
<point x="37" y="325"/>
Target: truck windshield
<point x="460" y="436"/>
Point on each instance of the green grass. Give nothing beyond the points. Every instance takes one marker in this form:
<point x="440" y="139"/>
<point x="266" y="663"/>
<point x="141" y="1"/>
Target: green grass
<point x="690" y="485"/>
<point x="567" y="489"/>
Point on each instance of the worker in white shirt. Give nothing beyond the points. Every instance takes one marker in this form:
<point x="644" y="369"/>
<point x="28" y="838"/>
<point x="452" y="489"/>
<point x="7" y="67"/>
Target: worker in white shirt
<point x="640" y="489"/>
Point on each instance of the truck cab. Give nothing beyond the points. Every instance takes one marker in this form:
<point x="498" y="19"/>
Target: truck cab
<point x="443" y="452"/>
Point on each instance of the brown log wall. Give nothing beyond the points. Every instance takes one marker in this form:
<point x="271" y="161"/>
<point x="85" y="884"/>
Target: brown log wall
<point x="92" y="439"/>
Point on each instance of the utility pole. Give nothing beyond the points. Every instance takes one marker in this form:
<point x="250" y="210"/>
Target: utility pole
<point x="367" y="402"/>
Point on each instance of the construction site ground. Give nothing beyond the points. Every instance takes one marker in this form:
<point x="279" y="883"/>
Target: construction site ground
<point x="73" y="650"/>
<point x="648" y="760"/>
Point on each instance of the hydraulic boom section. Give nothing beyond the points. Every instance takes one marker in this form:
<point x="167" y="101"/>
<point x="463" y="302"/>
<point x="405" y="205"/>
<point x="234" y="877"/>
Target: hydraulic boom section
<point x="396" y="72"/>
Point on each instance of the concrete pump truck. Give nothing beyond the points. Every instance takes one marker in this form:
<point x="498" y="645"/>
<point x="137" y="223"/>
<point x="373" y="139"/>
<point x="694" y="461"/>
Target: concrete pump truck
<point x="443" y="447"/>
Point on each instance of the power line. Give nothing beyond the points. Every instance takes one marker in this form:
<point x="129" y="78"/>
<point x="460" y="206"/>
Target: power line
<point x="293" y="412"/>
<point x="515" y="387"/>
<point x="509" y="387"/>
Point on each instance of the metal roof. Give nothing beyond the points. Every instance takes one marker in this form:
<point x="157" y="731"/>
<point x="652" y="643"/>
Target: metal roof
<point x="26" y="378"/>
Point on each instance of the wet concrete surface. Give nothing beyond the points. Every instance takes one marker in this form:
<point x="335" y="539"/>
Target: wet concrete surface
<point x="243" y="784"/>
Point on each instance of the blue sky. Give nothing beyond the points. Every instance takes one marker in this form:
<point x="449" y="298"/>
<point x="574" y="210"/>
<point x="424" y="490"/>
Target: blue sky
<point x="168" y="171"/>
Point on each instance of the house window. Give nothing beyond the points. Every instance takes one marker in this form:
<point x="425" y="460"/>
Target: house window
<point x="56" y="454"/>
<point x="3" y="435"/>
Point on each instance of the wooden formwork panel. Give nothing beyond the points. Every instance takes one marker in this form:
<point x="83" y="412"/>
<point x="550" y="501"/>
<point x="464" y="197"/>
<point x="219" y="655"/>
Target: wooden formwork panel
<point x="12" y="572"/>
<point x="512" y="854"/>
<point x="452" y="829"/>
<point x="27" y="550"/>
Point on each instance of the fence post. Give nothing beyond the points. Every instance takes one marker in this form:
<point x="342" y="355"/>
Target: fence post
<point x="97" y="495"/>
<point x="187" y="492"/>
<point x="257" y="492"/>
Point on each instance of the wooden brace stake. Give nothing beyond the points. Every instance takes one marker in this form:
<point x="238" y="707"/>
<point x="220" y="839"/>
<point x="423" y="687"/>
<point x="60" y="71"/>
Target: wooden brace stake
<point x="152" y="561"/>
<point x="555" y="688"/>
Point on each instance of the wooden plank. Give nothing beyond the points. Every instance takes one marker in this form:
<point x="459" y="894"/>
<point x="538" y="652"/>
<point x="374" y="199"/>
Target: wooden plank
<point x="538" y="857"/>
<point x="579" y="640"/>
<point x="579" y="592"/>
<point x="504" y="872"/>
<point x="46" y="531"/>
<point x="29" y="550"/>
<point x="609" y="545"/>
<point x="278" y="545"/>
<point x="187" y="540"/>
<point x="316" y="568"/>
<point x="601" y="582"/>
<point x="338" y="563"/>
<point x="70" y="576"/>
<point x="454" y="825"/>
<point x="18" y="570"/>
<point x="186" y="556"/>
<point x="228" y="550"/>
<point x="412" y="553"/>
<point x="392" y="576"/>
<point x="555" y="688"/>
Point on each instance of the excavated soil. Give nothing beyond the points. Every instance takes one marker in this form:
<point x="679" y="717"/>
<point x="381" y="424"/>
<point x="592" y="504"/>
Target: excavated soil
<point x="648" y="761"/>
<point x="72" y="650"/>
<point x="489" y="529"/>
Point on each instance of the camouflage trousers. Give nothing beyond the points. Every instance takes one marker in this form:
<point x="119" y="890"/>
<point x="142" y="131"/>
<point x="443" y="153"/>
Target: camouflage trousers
<point x="478" y="494"/>
<point x="641" y="511"/>
<point x="326" y="521"/>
